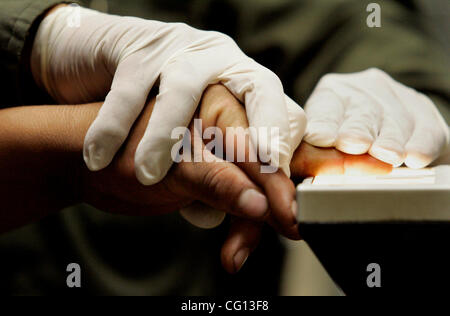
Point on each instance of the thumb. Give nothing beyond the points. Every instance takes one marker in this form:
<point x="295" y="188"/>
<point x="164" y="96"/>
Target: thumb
<point x="222" y="186"/>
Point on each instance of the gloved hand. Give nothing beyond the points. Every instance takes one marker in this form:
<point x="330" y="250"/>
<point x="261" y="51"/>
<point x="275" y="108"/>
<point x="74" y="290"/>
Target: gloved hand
<point x="370" y="112"/>
<point x="121" y="59"/>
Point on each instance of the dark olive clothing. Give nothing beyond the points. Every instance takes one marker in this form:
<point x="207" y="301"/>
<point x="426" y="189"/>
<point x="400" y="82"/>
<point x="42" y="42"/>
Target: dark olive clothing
<point x="300" y="40"/>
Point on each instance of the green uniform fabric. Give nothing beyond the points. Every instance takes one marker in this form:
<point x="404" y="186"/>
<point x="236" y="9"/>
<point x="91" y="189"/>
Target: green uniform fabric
<point x="18" y="19"/>
<point x="300" y="40"/>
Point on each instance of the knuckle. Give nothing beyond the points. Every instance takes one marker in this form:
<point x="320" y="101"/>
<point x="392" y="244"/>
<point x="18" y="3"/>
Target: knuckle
<point x="374" y="71"/>
<point x="213" y="177"/>
<point x="182" y="28"/>
<point x="375" y="74"/>
<point x="223" y="37"/>
<point x="222" y="98"/>
<point x="329" y="79"/>
<point x="220" y="183"/>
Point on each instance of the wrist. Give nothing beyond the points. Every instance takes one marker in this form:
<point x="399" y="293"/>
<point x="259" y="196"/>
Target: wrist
<point x="63" y="52"/>
<point x="40" y="160"/>
<point x="69" y="138"/>
<point x="43" y="147"/>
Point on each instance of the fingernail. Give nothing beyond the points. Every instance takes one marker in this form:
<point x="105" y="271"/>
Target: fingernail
<point x="294" y="209"/>
<point x="253" y="203"/>
<point x="240" y="258"/>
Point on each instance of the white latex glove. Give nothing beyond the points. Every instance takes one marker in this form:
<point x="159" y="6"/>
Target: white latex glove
<point x="121" y="58"/>
<point x="370" y="112"/>
<point x="206" y="217"/>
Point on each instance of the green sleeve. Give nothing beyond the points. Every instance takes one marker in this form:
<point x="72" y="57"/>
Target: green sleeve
<point x="19" y="20"/>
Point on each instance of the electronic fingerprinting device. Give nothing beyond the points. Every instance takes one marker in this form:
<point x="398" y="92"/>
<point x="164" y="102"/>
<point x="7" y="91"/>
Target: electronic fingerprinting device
<point x="386" y="234"/>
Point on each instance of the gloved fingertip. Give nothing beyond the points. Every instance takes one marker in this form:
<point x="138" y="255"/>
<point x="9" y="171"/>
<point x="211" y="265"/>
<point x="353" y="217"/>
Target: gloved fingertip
<point x="389" y="156"/>
<point x="353" y="146"/>
<point x="417" y="160"/>
<point x="319" y="141"/>
<point x="320" y="135"/>
<point x="95" y="157"/>
<point x="148" y="177"/>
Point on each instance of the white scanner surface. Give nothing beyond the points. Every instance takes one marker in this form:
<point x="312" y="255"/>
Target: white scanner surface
<point x="403" y="195"/>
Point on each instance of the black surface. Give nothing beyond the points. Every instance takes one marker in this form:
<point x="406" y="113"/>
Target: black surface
<point x="413" y="257"/>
